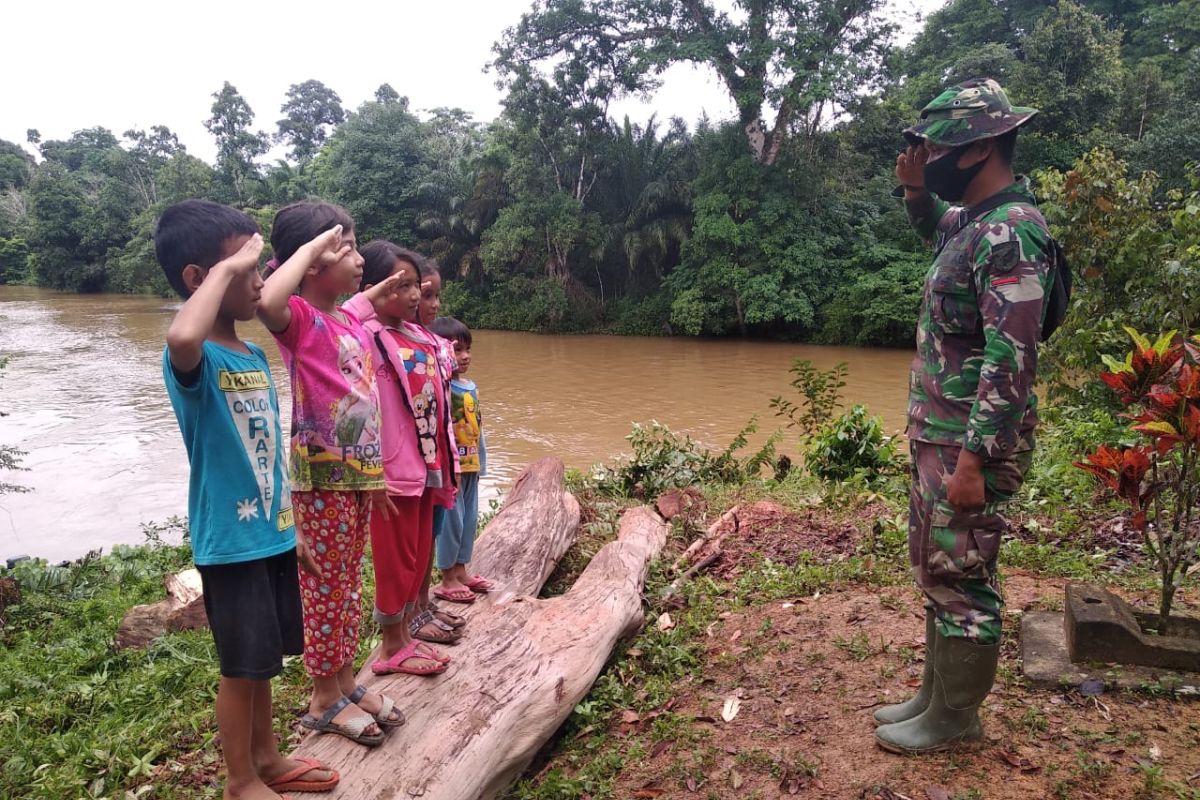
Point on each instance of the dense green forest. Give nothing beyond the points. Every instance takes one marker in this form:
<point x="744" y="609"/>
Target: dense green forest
<point x="557" y="217"/>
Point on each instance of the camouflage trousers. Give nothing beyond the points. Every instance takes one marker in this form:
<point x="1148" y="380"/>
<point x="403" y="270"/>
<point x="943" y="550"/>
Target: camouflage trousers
<point x="954" y="553"/>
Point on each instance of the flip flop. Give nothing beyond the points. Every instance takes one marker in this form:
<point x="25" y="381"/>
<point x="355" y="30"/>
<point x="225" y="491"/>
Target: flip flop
<point x="464" y="596"/>
<point x="352" y="730"/>
<point x="426" y="651"/>
<point x="448" y="617"/>
<point x="386" y="707"/>
<point x="291" y="780"/>
<point x="480" y="584"/>
<point x="395" y="664"/>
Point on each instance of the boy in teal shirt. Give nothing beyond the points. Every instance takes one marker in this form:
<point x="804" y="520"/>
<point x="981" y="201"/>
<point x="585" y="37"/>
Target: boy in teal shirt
<point x="239" y="505"/>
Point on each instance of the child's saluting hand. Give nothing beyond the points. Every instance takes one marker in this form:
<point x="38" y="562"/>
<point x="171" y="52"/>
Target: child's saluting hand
<point x="385" y="291"/>
<point x="328" y="248"/>
<point x="246" y="258"/>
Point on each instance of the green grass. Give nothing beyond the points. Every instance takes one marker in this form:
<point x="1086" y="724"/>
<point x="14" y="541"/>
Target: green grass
<point x="79" y="718"/>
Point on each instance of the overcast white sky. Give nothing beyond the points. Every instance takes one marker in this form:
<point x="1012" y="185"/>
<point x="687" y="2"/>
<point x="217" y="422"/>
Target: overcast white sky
<point x="124" y="64"/>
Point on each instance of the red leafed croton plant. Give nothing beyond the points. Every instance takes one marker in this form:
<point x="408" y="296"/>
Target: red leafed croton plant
<point x="1159" y="478"/>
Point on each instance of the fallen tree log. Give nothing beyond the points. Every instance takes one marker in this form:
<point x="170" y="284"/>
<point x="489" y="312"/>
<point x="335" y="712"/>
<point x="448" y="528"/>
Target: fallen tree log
<point x="522" y="545"/>
<point x="519" y="671"/>
<point x="182" y="610"/>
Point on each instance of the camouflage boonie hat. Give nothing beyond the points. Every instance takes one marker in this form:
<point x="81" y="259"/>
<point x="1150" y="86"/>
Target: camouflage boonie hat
<point x="972" y="110"/>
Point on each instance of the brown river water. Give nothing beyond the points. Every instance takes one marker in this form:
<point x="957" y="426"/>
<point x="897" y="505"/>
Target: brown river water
<point x="83" y="395"/>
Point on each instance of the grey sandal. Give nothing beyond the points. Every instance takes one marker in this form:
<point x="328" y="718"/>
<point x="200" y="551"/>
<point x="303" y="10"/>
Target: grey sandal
<point x="446" y="617"/>
<point x="387" y="706"/>
<point x="352" y="730"/>
<point x="445" y="634"/>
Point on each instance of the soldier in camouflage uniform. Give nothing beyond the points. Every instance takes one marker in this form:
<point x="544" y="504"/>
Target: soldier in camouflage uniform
<point x="972" y="411"/>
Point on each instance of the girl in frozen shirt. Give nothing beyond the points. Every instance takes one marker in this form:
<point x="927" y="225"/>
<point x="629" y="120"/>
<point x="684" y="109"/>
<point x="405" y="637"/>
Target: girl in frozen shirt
<point x="336" y="461"/>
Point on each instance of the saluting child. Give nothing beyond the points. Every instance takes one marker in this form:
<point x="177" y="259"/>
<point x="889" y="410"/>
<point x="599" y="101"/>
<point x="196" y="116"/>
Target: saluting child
<point x="336" y="456"/>
<point x="239" y="507"/>
<point x="456" y="538"/>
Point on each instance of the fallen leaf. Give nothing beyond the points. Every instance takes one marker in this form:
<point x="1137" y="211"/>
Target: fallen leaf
<point x="645" y="794"/>
<point x="665" y="623"/>
<point x="691" y="783"/>
<point x="735" y="779"/>
<point x="633" y="652"/>
<point x="660" y="748"/>
<point x="630" y="717"/>
<point x="730" y="710"/>
<point x="1020" y="762"/>
<point x="1155" y="753"/>
<point x="936" y="793"/>
<point x="736" y="635"/>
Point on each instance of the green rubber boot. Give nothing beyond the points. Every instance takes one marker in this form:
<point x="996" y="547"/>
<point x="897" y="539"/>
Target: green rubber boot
<point x="899" y="712"/>
<point x="963" y="673"/>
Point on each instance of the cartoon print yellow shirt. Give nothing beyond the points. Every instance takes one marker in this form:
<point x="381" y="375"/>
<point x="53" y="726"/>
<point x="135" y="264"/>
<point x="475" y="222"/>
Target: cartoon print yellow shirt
<point x="468" y="425"/>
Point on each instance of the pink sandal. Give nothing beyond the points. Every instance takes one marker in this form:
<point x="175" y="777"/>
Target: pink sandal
<point x="464" y="596"/>
<point x="429" y="651"/>
<point x="395" y="664"/>
<point x="480" y="584"/>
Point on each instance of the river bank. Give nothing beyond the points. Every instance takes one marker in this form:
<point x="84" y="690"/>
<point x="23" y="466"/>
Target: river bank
<point x="807" y="620"/>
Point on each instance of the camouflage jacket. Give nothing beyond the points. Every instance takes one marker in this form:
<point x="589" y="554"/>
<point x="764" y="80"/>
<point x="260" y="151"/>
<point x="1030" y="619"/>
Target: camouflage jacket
<point x="979" y="327"/>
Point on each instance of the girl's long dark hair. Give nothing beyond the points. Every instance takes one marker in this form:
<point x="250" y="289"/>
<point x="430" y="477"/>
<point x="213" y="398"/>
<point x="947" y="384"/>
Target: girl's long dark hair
<point x="379" y="261"/>
<point x="298" y="224"/>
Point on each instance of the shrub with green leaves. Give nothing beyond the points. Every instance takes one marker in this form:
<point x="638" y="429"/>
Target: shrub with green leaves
<point x="661" y="460"/>
<point x="852" y="444"/>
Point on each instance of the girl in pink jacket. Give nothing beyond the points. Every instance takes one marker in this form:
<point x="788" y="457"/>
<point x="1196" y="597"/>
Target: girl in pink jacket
<point x="418" y="456"/>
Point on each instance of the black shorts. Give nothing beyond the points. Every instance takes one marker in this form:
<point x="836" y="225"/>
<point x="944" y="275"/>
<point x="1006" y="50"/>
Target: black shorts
<point x="254" y="612"/>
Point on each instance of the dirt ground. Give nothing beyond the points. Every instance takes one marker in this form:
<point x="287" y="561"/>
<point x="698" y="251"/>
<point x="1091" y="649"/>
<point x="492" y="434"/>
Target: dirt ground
<point x="807" y="674"/>
<point x="784" y="705"/>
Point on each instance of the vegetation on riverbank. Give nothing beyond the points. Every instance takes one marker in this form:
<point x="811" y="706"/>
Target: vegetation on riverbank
<point x="557" y="217"/>
<point x="804" y="621"/>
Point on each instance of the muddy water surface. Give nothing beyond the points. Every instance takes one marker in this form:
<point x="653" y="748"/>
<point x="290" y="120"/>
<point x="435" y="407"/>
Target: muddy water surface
<point x="84" y="397"/>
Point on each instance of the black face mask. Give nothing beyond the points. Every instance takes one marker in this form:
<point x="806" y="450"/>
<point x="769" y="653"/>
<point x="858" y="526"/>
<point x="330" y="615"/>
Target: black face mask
<point x="946" y="180"/>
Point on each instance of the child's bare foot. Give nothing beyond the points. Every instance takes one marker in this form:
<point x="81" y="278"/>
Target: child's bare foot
<point x="453" y="591"/>
<point x="373" y="704"/>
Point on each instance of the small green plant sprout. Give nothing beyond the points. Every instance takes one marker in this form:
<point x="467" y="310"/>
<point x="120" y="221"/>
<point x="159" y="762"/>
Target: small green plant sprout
<point x="1159" y="478"/>
<point x="820" y="395"/>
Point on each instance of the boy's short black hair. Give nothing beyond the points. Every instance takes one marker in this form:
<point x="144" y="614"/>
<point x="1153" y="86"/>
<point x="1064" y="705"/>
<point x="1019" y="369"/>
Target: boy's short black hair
<point x="452" y="329"/>
<point x="195" y="232"/>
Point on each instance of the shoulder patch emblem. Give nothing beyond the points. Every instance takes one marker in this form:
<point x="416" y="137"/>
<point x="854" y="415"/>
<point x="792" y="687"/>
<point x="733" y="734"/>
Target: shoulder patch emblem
<point x="1004" y="256"/>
